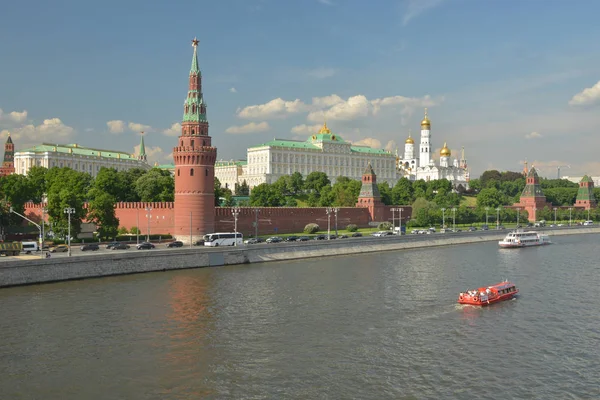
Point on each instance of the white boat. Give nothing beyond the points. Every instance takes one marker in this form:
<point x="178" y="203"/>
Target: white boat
<point x="520" y="238"/>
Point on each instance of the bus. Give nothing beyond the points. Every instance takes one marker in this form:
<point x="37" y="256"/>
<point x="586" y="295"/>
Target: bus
<point x="28" y="247"/>
<point x="223" y="239"/>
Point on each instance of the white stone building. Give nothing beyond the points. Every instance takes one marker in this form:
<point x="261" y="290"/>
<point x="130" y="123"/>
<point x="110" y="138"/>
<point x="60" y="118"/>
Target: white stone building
<point x="424" y="167"/>
<point x="324" y="152"/>
<point x="79" y="158"/>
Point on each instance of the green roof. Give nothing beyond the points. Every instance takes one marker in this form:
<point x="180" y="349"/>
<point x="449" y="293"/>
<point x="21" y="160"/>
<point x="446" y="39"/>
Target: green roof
<point x="368" y="150"/>
<point x="74" y="148"/>
<point x="239" y="163"/>
<point x="586" y="179"/>
<point x="165" y="166"/>
<point x="288" y="143"/>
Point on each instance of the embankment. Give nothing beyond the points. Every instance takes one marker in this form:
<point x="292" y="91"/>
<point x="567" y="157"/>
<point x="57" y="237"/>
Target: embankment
<point x="34" y="271"/>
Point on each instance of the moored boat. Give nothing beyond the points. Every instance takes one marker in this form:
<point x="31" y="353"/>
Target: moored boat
<point x="519" y="238"/>
<point x="488" y="295"/>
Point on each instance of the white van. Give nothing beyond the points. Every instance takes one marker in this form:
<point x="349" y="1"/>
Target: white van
<point x="588" y="223"/>
<point x="28" y="247"/>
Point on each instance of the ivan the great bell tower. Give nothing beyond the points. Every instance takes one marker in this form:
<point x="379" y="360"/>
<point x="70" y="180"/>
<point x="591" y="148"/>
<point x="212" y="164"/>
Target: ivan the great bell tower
<point x="194" y="159"/>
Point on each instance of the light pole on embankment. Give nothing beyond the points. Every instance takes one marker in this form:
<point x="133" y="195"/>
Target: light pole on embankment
<point x="328" y="211"/>
<point x="69" y="211"/>
<point x="335" y="211"/>
<point x="235" y="211"/>
<point x="497" y="217"/>
<point x="148" y="215"/>
<point x="486" y="215"/>
<point x="555" y="215"/>
<point x="38" y="226"/>
<point x="454" y="218"/>
<point x="518" y="214"/>
<point x="443" y="218"/>
<point x="570" y="209"/>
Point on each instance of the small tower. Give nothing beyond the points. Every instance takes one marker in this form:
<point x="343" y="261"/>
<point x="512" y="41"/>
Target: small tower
<point x="425" y="146"/>
<point x="409" y="147"/>
<point x="194" y="158"/>
<point x="8" y="164"/>
<point x="445" y="156"/>
<point x="369" y="196"/>
<point x="142" y="153"/>
<point x="532" y="198"/>
<point x="463" y="160"/>
<point x="585" y="193"/>
<point x="525" y="170"/>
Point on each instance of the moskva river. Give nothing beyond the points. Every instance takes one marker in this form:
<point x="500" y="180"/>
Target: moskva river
<point x="373" y="326"/>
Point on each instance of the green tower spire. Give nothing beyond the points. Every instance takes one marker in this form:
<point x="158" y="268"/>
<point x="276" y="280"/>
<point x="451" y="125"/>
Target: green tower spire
<point x="194" y="106"/>
<point x="142" y="155"/>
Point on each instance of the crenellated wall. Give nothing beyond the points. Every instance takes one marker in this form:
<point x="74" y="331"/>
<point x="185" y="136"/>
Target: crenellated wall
<point x="271" y="220"/>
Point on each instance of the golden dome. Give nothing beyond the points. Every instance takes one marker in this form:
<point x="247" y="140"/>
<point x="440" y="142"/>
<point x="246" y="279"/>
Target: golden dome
<point x="409" y="140"/>
<point x="324" y="129"/>
<point x="425" y="123"/>
<point x="445" y="152"/>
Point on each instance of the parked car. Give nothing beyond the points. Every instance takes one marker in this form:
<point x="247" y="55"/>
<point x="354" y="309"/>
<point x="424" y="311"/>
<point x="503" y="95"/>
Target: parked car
<point x="119" y="246"/>
<point x="304" y="238"/>
<point x="61" y="248"/>
<point x="484" y="228"/>
<point x="472" y="229"/>
<point x="274" y="239"/>
<point x="90" y="246"/>
<point x="251" y="241"/>
<point x="291" y="238"/>
<point x="357" y="234"/>
<point x="321" y="237"/>
<point x="343" y="237"/>
<point x="199" y="242"/>
<point x="177" y="243"/>
<point x="145" y="246"/>
<point x="112" y="244"/>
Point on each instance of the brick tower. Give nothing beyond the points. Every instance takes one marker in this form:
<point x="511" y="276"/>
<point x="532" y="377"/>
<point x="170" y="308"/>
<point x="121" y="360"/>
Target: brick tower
<point x="585" y="193"/>
<point x="369" y="196"/>
<point x="532" y="198"/>
<point x="194" y="159"/>
<point x="8" y="165"/>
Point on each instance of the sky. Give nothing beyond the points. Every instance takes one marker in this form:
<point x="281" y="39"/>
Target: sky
<point x="510" y="80"/>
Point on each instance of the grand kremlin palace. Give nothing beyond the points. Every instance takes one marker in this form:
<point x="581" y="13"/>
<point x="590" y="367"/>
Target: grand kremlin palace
<point x="323" y="152"/>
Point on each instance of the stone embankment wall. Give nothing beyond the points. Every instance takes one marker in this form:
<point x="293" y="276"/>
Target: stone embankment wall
<point x="26" y="272"/>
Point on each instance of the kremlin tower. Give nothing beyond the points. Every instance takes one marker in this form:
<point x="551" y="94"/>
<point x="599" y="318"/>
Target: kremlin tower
<point x="194" y="159"/>
<point x="8" y="165"/>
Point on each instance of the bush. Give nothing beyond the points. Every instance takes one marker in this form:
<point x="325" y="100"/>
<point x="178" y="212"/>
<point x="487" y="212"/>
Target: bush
<point x="352" y="228"/>
<point x="123" y="231"/>
<point x="311" y="228"/>
<point x="384" y="226"/>
<point x="134" y="230"/>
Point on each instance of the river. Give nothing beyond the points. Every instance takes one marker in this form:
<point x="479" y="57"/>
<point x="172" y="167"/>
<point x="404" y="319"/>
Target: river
<point x="372" y="326"/>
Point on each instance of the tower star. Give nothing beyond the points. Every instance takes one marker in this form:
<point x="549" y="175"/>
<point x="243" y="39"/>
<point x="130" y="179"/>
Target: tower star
<point x="195" y="42"/>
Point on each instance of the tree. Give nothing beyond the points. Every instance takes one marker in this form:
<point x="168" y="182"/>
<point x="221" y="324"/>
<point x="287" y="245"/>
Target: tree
<point x="219" y="192"/>
<point x="242" y="189"/>
<point x="490" y="197"/>
<point x="265" y="195"/>
<point x="156" y="185"/>
<point x="127" y="181"/>
<point x="16" y="190"/>
<point x="101" y="211"/>
<point x="385" y="192"/>
<point x="419" y="188"/>
<point x="37" y="183"/>
<point x="316" y="180"/>
<point x="296" y="183"/>
<point x="402" y="193"/>
<point x="491" y="175"/>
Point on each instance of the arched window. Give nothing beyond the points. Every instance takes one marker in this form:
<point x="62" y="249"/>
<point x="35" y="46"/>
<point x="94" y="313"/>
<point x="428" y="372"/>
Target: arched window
<point x="192" y="172"/>
<point x="181" y="143"/>
<point x="177" y="171"/>
<point x="193" y="132"/>
<point x="192" y="143"/>
<point x="206" y="172"/>
<point x="203" y="143"/>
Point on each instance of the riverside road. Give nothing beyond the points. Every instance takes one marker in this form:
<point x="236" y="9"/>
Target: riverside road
<point x="162" y="247"/>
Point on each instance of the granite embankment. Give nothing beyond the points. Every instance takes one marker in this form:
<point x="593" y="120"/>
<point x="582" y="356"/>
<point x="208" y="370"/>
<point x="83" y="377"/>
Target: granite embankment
<point x="34" y="271"/>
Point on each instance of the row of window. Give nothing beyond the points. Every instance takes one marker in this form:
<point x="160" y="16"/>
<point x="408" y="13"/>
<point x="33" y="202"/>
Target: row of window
<point x="192" y="172"/>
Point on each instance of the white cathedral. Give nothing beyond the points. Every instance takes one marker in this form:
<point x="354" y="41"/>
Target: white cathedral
<point x="424" y="166"/>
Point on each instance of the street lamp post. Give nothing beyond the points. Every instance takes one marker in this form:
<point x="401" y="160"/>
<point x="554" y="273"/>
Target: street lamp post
<point x="25" y="218"/>
<point x="137" y="232"/>
<point x="570" y="208"/>
<point x="497" y="217"/>
<point x="443" y="218"/>
<point x="486" y="215"/>
<point x="191" y="236"/>
<point x="555" y="215"/>
<point x="235" y="211"/>
<point x="148" y="215"/>
<point x="588" y="214"/>
<point x="335" y="212"/>
<point x="400" y="220"/>
<point x="393" y="220"/>
<point x="454" y="219"/>
<point x="328" y="211"/>
<point x="256" y="211"/>
<point x="69" y="211"/>
<point x="44" y="211"/>
<point x="518" y="215"/>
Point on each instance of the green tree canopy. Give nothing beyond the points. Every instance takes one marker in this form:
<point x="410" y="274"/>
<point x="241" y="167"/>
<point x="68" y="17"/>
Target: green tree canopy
<point x="155" y="185"/>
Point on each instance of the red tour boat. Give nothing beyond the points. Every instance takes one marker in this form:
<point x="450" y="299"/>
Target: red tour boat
<point x="488" y="295"/>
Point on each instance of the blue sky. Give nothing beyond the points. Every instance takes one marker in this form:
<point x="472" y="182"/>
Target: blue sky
<point x="506" y="79"/>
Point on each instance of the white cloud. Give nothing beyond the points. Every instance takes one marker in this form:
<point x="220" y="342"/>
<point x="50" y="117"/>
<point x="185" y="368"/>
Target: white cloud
<point x="277" y="108"/>
<point x="153" y="154"/>
<point x="414" y="8"/>
<point x="333" y="107"/>
<point x="322" y="72"/>
<point x="249" y="128"/>
<point x="116" y="126"/>
<point x="306" y="129"/>
<point x="174" y="130"/>
<point x="392" y="146"/>
<point x="14" y="116"/>
<point x="233" y="90"/>
<point x="52" y="129"/>
<point x="587" y="96"/>
<point x="533" y="135"/>
<point x="135" y="127"/>
<point x="369" y="142"/>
